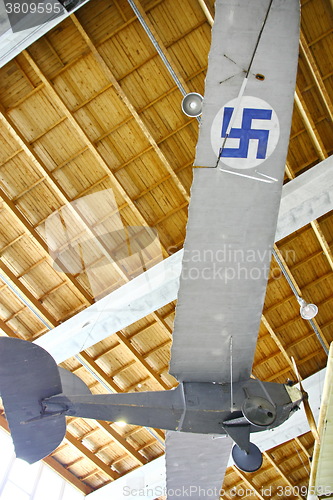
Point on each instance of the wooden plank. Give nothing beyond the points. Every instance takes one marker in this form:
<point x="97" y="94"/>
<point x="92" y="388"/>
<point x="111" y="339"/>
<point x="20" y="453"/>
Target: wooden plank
<point x="277" y="341"/>
<point x="130" y="450"/>
<point x="248" y="482"/>
<point x="317" y="78"/>
<point x="281" y="473"/>
<point x="37" y="238"/>
<point x="30" y="297"/>
<point x="106" y="469"/>
<point x="310" y="126"/>
<point x="130" y="106"/>
<point x="61" y="106"/>
<point x="123" y="340"/>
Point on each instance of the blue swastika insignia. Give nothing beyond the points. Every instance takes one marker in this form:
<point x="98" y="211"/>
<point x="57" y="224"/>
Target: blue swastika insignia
<point x="246" y="133"/>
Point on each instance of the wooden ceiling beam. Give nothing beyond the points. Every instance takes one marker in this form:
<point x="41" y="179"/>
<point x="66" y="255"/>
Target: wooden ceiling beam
<point x="316" y="76"/>
<point x="56" y="466"/>
<point x="300" y="362"/>
<point x="145" y="108"/>
<point x="11" y="127"/>
<point x="97" y="370"/>
<point x="291" y="277"/>
<point x="92" y="148"/>
<point x="130" y="450"/>
<point x="277" y="341"/>
<point x="247" y="481"/>
<point x="31" y="231"/>
<point x="127" y="343"/>
<point x="323" y="242"/>
<point x="11" y="243"/>
<point x="310" y="125"/>
<point x="108" y="73"/>
<point x="28" y="295"/>
<point x="7" y="330"/>
<point x="105" y="468"/>
<point x="301" y="445"/>
<point x="282" y="474"/>
<point x="165" y="54"/>
<point x="305" y="337"/>
<point x="206" y="11"/>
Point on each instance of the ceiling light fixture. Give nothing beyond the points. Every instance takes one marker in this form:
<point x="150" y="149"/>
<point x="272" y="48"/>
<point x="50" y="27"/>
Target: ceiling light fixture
<point x="121" y="423"/>
<point x="192" y="104"/>
<point x="307" y="311"/>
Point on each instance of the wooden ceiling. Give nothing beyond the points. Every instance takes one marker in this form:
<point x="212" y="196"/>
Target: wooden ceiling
<point x="91" y="108"/>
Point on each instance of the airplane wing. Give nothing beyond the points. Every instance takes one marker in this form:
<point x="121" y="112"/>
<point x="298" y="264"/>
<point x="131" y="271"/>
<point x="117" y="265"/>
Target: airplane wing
<point x="195" y="464"/>
<point x="243" y="142"/>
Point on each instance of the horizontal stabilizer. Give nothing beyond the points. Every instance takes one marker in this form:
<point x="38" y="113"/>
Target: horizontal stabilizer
<point x="29" y="374"/>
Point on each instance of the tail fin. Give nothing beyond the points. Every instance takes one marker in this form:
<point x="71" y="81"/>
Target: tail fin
<point x="28" y="374"/>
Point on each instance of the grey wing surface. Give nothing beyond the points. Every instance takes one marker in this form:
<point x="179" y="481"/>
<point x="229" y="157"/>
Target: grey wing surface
<point x="195" y="465"/>
<point x="235" y="200"/>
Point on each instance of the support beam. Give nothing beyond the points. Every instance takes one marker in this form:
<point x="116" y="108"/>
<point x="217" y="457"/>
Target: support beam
<point x="317" y="78"/>
<point x="310" y="126"/>
<point x="106" y="469"/>
<point x="107" y="71"/>
<point x="31" y="231"/>
<point x="27" y="294"/>
<point x="282" y="474"/>
<point x="159" y="45"/>
<point x="306" y="198"/>
<point x="247" y="481"/>
<point x="82" y="134"/>
<point x="277" y="342"/>
<point x="124" y="341"/>
<point x="122" y="442"/>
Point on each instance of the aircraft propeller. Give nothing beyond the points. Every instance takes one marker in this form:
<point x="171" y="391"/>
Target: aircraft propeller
<point x="307" y="407"/>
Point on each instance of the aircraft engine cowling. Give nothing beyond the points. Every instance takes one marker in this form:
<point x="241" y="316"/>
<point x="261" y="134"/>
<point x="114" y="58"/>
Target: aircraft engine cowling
<point x="259" y="411"/>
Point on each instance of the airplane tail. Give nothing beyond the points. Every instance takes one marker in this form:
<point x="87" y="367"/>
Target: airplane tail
<point x="29" y="374"/>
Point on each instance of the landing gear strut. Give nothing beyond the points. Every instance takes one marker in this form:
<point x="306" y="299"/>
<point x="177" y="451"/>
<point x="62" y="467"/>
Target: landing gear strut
<point x="247" y="462"/>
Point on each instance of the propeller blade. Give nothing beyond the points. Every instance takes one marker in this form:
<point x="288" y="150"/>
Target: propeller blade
<point x="307" y="407"/>
<point x="310" y="417"/>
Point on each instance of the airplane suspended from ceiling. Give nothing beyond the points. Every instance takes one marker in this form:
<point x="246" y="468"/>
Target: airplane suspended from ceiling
<point x="235" y="197"/>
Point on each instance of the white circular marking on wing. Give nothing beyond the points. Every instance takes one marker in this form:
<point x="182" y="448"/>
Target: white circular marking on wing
<point x="247" y="150"/>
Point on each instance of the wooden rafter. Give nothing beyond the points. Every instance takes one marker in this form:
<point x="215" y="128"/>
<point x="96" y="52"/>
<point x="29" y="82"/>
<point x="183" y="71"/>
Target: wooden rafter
<point x="298" y="290"/>
<point x="206" y="11"/>
<point x="247" y="481"/>
<point x="105" y="468"/>
<point x="82" y="134"/>
<point x="310" y="126"/>
<point x="166" y="55"/>
<point x="28" y="295"/>
<point x="30" y="230"/>
<point x="281" y="473"/>
<point x="121" y="93"/>
<point x="317" y="78"/>
<point x="277" y="341"/>
<point x="127" y="343"/>
<point x="130" y="450"/>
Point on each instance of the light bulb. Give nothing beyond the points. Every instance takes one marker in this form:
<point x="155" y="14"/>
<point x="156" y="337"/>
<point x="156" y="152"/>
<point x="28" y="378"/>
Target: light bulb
<point x="307" y="311"/>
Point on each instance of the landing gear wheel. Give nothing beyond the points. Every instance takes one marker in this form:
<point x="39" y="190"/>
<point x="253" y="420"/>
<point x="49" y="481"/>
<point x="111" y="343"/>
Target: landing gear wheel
<point x="247" y="462"/>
